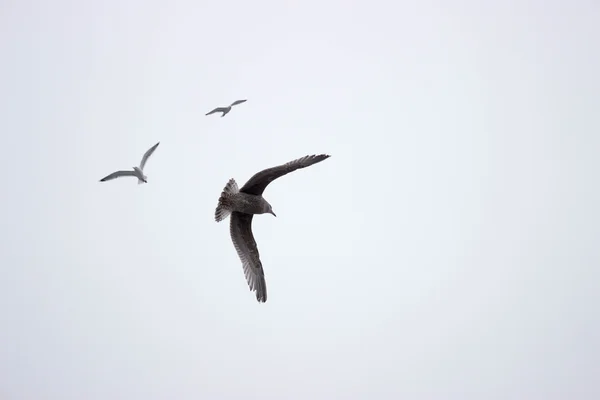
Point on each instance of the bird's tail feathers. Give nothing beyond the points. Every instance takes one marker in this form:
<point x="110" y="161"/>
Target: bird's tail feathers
<point x="224" y="207"/>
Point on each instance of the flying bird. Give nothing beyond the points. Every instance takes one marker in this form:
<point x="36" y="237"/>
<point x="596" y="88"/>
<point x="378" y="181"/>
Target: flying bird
<point x="225" y="110"/>
<point x="138" y="172"/>
<point x="242" y="204"/>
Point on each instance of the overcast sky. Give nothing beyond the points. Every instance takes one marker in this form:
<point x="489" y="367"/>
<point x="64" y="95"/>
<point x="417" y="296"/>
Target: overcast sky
<point x="449" y="248"/>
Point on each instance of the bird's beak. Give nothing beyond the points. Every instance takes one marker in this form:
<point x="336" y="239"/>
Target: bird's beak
<point x="273" y="213"/>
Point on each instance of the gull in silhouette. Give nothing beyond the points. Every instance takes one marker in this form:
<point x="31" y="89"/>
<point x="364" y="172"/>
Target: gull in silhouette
<point x="138" y="172"/>
<point x="242" y="204"/>
<point x="225" y="110"/>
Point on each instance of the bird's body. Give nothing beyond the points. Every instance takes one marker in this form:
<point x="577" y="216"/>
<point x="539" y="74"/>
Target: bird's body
<point x="225" y="110"/>
<point x="140" y="175"/>
<point x="137" y="172"/>
<point x="242" y="204"/>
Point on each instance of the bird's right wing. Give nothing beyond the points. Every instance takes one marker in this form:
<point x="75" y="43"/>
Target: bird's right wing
<point x="218" y="109"/>
<point x="117" y="174"/>
<point x="245" y="245"/>
<point x="257" y="184"/>
<point x="235" y="103"/>
<point x="147" y="155"/>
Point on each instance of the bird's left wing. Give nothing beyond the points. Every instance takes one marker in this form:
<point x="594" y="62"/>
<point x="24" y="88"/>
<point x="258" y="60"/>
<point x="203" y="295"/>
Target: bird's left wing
<point x="245" y="245"/>
<point x="235" y="103"/>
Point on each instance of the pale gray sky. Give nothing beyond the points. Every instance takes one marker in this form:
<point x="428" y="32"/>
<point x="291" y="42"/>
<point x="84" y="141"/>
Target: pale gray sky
<point x="447" y="250"/>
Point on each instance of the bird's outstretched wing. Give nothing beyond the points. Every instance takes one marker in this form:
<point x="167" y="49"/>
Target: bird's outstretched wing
<point x="147" y="155"/>
<point x="218" y="109"/>
<point x="245" y="245"/>
<point x="117" y="174"/>
<point x="235" y="103"/>
<point x="257" y="184"/>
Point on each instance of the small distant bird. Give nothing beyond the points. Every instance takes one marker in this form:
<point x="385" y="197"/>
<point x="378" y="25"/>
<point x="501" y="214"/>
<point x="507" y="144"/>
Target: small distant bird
<point x="225" y="110"/>
<point x="242" y="204"/>
<point x="138" y="172"/>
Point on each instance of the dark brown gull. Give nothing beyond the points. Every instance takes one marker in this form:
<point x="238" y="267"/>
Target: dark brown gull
<point x="138" y="172"/>
<point x="225" y="110"/>
<point x="242" y="204"/>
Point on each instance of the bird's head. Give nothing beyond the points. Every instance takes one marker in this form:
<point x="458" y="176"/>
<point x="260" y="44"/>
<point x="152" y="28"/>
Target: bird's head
<point x="268" y="209"/>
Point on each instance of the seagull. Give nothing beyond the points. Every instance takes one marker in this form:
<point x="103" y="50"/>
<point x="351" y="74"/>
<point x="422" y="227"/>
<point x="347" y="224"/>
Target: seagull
<point x="138" y="172"/>
<point x="242" y="204"/>
<point x="225" y="110"/>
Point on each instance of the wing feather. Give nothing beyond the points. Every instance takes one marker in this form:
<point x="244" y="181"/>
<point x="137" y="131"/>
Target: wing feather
<point x="117" y="174"/>
<point x="245" y="245"/>
<point x="147" y="155"/>
<point x="218" y="109"/>
<point x="257" y="184"/>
